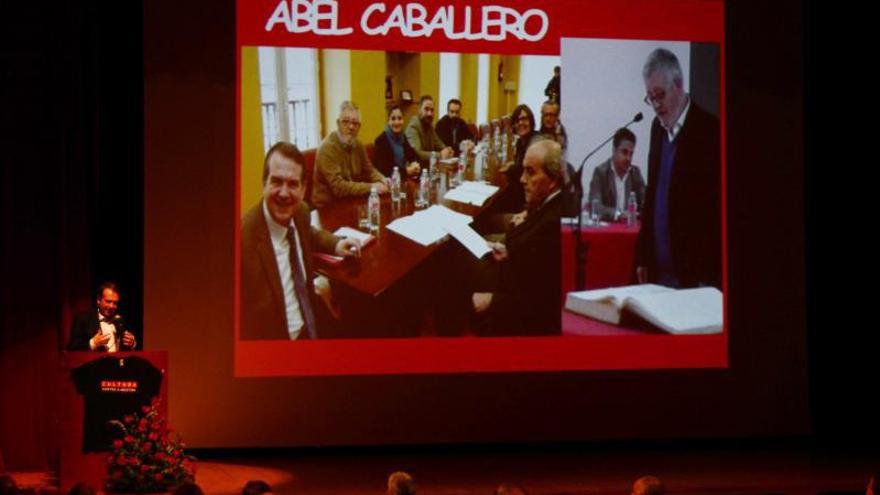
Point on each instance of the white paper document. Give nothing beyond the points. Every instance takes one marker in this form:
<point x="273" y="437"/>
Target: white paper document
<point x="351" y="233"/>
<point x="427" y="226"/>
<point x="469" y="238"/>
<point x="474" y="193"/>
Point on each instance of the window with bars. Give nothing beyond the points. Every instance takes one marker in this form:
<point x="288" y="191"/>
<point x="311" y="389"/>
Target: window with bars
<point x="289" y="96"/>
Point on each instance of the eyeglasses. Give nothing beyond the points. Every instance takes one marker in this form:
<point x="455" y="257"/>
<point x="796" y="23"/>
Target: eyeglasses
<point x="350" y="122"/>
<point x="651" y="99"/>
<point x="523" y="118"/>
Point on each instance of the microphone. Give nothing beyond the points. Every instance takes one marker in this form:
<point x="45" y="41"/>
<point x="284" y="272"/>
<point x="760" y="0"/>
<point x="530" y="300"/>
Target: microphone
<point x="637" y="118"/>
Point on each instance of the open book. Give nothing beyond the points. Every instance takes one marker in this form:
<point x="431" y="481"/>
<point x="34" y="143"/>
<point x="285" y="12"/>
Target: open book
<point x="677" y="311"/>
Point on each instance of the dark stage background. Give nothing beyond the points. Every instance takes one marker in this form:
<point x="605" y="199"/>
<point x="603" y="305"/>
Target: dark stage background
<point x="78" y="83"/>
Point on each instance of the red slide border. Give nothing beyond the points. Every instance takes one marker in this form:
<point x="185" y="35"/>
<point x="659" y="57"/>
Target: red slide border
<point x="676" y="20"/>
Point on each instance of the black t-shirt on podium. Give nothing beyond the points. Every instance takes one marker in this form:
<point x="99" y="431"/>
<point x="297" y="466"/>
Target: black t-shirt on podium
<point x="113" y="387"/>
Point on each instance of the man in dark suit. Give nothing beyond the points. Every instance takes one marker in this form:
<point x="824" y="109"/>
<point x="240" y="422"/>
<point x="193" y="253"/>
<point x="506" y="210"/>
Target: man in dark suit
<point x="526" y="298"/>
<point x="277" y="288"/>
<point x="617" y="177"/>
<point x="452" y="129"/>
<point x="680" y="240"/>
<point x="101" y="329"/>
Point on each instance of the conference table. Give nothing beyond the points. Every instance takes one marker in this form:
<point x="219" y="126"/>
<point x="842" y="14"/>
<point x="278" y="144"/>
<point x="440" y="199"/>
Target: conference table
<point x="390" y="256"/>
<point x="389" y="291"/>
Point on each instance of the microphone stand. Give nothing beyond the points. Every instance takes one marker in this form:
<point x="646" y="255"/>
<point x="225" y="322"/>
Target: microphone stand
<point x="580" y="247"/>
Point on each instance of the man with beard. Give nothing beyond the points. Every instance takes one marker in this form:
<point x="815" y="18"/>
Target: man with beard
<point x="421" y="134"/>
<point x="452" y="129"/>
<point x="679" y="242"/>
<point x="342" y="168"/>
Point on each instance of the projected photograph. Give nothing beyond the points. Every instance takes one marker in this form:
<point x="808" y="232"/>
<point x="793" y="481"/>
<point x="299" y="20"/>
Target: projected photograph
<point x="642" y="247"/>
<point x="395" y="195"/>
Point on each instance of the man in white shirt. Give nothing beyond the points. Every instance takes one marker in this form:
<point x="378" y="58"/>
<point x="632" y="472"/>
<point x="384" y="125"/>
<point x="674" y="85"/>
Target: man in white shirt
<point x="277" y="288"/>
<point x="617" y="177"/>
<point x="101" y="329"/>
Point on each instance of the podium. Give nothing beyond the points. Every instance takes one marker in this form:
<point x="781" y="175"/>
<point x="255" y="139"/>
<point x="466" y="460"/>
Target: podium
<point x="74" y="464"/>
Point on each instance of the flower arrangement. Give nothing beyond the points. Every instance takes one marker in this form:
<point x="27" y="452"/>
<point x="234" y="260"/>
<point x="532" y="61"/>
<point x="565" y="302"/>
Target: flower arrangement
<point x="147" y="458"/>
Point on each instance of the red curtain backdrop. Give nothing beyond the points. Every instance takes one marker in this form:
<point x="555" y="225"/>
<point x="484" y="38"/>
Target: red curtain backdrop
<point x="71" y="197"/>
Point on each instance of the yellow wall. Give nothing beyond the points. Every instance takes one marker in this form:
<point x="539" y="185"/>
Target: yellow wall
<point x="335" y="70"/>
<point x="501" y="103"/>
<point x="469" y="76"/>
<point x="429" y="75"/>
<point x="251" y="130"/>
<point x="368" y="91"/>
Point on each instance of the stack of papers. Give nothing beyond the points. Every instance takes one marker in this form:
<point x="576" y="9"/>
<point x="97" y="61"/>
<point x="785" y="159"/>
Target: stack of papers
<point x="428" y="226"/>
<point x="474" y="193"/>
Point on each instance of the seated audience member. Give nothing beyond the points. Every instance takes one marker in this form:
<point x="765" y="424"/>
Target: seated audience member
<point x="188" y="488"/>
<point x="421" y="134"/>
<point x="401" y="483"/>
<point x="509" y="489"/>
<point x="512" y="198"/>
<point x="648" y="485"/>
<point x="452" y="129"/>
<point x="617" y="177"/>
<point x="277" y="277"/>
<point x="392" y="150"/>
<point x="101" y="329"/>
<point x="256" y="487"/>
<point x="342" y="168"/>
<point x="82" y="488"/>
<point x="524" y="297"/>
<point x="551" y="125"/>
<point x="8" y="485"/>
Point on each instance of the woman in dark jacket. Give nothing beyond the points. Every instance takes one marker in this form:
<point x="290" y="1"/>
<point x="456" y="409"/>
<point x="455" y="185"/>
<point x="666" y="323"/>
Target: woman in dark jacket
<point x="513" y="198"/>
<point x="393" y="150"/>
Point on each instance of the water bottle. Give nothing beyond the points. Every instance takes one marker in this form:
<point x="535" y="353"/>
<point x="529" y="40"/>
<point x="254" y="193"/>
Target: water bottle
<point x="632" y="209"/>
<point x="498" y="147"/>
<point x="459" y="171"/>
<point x="479" y="161"/>
<point x="422" y="200"/>
<point x="504" y="148"/>
<point x="373" y="208"/>
<point x="395" y="185"/>
<point x="433" y="166"/>
<point x="594" y="211"/>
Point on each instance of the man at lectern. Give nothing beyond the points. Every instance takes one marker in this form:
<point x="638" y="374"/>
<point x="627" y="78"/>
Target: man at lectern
<point x="101" y="329"/>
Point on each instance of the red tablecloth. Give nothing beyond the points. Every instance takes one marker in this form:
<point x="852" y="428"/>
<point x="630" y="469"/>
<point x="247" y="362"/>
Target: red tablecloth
<point x="610" y="256"/>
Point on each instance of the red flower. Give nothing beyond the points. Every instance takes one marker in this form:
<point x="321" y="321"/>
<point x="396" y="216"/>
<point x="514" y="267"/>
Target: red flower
<point x="144" y="468"/>
<point x="153" y="436"/>
<point x="157" y="476"/>
<point x="145" y="409"/>
<point x="160" y="456"/>
<point x="146" y="446"/>
<point x="129" y="419"/>
<point x="129" y="439"/>
<point x="117" y="444"/>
